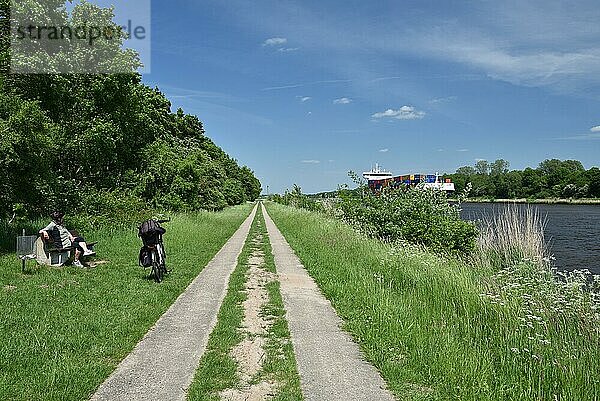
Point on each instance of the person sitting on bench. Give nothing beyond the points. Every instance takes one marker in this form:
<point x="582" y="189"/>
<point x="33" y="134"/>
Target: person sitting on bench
<point x="63" y="238"/>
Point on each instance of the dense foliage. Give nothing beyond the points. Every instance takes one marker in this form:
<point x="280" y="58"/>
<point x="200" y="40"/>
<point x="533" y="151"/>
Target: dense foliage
<point x="416" y="215"/>
<point x="104" y="144"/>
<point x="551" y="179"/>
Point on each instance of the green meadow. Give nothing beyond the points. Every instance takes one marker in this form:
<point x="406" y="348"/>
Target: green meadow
<point x="64" y="330"/>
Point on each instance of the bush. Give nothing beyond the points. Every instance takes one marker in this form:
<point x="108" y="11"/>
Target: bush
<point x="107" y="209"/>
<point x="416" y="215"/>
<point x="297" y="199"/>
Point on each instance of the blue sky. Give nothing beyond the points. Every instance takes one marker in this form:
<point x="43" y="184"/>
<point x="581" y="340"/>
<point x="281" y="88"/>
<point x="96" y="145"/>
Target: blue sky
<point x="304" y="91"/>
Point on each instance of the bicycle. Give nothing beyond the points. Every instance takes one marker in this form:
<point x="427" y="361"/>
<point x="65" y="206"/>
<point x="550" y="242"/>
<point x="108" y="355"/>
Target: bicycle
<point x="153" y="252"/>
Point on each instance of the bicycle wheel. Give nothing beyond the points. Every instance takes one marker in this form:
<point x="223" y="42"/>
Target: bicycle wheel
<point x="163" y="258"/>
<point x="157" y="269"/>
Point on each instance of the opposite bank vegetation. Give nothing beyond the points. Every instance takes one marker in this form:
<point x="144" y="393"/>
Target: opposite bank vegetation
<point x="446" y="309"/>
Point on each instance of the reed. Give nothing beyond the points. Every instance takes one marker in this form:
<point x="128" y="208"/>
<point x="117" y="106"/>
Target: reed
<point x="511" y="236"/>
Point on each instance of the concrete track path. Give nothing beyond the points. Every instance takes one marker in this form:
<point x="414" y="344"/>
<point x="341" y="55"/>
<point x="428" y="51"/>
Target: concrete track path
<point x="163" y="363"/>
<point x="330" y="364"/>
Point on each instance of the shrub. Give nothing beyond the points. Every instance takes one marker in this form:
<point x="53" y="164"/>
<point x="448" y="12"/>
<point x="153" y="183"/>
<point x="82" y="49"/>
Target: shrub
<point x="417" y="215"/>
<point x="297" y="199"/>
<point x="107" y="209"/>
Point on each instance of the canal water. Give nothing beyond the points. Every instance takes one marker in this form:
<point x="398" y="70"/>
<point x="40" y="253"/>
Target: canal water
<point x="572" y="231"/>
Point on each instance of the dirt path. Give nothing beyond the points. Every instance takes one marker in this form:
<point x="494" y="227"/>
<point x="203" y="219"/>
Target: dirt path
<point x="330" y="364"/>
<point x="163" y="364"/>
<point x="250" y="353"/>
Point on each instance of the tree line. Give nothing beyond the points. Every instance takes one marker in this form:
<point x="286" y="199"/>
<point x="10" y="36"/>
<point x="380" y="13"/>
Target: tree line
<point x="552" y="178"/>
<point x="104" y="143"/>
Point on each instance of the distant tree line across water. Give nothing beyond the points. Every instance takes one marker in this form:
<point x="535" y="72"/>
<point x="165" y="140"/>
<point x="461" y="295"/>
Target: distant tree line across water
<point x="552" y="178"/>
<point x="104" y="143"/>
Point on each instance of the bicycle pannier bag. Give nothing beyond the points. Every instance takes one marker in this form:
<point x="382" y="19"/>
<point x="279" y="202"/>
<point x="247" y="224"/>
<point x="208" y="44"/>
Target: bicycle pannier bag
<point x="145" y="258"/>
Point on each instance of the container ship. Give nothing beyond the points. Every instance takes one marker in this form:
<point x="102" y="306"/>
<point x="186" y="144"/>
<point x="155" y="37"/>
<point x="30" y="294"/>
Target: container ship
<point x="379" y="178"/>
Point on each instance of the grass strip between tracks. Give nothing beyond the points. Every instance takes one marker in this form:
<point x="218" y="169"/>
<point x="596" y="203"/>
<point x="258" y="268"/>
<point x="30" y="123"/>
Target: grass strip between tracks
<point x="218" y="370"/>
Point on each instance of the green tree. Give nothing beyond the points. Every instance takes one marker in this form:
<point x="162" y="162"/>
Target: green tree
<point x="593" y="177"/>
<point x="466" y="171"/>
<point x="71" y="139"/>
<point x="27" y="151"/>
<point x="482" y="167"/>
<point x="498" y="167"/>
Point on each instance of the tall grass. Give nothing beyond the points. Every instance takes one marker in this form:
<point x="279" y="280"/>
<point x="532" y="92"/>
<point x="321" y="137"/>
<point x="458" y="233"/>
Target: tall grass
<point x="512" y="235"/>
<point x="558" y="311"/>
<point x="439" y="329"/>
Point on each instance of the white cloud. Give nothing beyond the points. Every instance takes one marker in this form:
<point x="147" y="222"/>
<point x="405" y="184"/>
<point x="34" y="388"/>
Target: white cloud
<point x="291" y="86"/>
<point x="383" y="79"/>
<point x="443" y="99"/>
<point x="343" y="100"/>
<point x="385" y="150"/>
<point x="595" y="129"/>
<point x="530" y="43"/>
<point x="275" y="42"/>
<point x="584" y="137"/>
<point x="288" y="49"/>
<point x="311" y="161"/>
<point x="304" y="98"/>
<point x="462" y="150"/>
<point x="403" y="113"/>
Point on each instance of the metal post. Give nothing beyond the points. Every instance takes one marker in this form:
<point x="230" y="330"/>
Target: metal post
<point x="23" y="259"/>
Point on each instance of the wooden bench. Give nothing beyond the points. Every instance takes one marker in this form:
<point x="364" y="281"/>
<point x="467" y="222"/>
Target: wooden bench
<point x="45" y="252"/>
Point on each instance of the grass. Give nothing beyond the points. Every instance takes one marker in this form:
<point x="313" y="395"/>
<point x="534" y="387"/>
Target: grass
<point x="438" y="329"/>
<point x="280" y="363"/>
<point x="218" y="370"/>
<point x="510" y="236"/>
<point x="63" y="331"/>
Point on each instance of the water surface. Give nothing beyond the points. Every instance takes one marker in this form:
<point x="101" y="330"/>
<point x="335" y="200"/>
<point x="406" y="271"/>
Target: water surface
<point x="572" y="231"/>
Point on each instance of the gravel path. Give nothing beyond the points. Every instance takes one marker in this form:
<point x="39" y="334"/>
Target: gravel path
<point x="330" y="364"/>
<point x="163" y="363"/>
